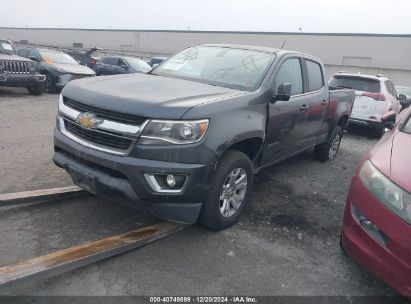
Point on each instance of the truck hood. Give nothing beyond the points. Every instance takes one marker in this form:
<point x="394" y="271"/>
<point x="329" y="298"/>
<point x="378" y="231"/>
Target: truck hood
<point x="73" y="68"/>
<point x="144" y="94"/>
<point x="391" y="157"/>
<point x="4" y="56"/>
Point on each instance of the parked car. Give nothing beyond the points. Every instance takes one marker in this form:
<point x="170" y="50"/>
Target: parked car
<point x="377" y="219"/>
<point x="58" y="67"/>
<point x="186" y="139"/>
<point x="405" y="99"/>
<point x="374" y="96"/>
<point x="111" y="65"/>
<point x="155" y="61"/>
<point x="16" y="71"/>
<point x="84" y="58"/>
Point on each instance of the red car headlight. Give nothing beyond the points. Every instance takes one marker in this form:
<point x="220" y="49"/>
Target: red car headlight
<point x="389" y="194"/>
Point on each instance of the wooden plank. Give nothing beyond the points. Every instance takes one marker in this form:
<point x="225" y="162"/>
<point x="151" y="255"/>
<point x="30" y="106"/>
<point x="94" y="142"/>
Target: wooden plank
<point x="75" y="257"/>
<point x="44" y="195"/>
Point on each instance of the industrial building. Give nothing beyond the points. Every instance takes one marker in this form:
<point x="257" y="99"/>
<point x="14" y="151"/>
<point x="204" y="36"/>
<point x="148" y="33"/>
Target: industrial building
<point x="358" y="53"/>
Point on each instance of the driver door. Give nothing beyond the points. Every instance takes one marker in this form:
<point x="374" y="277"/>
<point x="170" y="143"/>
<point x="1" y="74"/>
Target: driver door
<point x="286" y="119"/>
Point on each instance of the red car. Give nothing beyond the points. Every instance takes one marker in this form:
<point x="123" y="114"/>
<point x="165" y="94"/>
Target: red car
<point x="377" y="219"/>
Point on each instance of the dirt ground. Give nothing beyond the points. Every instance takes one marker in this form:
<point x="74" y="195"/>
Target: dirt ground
<point x="288" y="244"/>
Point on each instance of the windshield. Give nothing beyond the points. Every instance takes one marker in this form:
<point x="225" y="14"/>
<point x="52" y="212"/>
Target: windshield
<point x="6" y="47"/>
<point x="407" y="126"/>
<point x="57" y="57"/>
<point x="227" y="67"/>
<point x="404" y="90"/>
<point x="138" y="64"/>
<point x="356" y="83"/>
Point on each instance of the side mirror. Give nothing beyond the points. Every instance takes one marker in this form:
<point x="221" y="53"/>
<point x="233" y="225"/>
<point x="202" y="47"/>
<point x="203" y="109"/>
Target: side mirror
<point x="388" y="119"/>
<point x="402" y="97"/>
<point x="283" y="92"/>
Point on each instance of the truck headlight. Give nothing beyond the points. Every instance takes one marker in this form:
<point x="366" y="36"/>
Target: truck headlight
<point x="166" y="132"/>
<point x="389" y="194"/>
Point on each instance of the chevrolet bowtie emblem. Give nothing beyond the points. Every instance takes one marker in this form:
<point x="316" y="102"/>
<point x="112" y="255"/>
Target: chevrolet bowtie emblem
<point x="88" y="120"/>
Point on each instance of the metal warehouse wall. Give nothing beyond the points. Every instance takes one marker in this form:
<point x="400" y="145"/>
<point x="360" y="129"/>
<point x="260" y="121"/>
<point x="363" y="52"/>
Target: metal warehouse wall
<point x="388" y="54"/>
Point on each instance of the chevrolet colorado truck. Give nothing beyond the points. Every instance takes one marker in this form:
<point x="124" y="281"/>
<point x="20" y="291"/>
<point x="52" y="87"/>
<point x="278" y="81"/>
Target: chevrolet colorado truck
<point x="186" y="139"/>
<point x="16" y="71"/>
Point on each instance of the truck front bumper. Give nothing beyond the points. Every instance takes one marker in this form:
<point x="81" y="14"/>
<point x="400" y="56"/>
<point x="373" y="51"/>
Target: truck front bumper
<point x="121" y="179"/>
<point x="20" y="80"/>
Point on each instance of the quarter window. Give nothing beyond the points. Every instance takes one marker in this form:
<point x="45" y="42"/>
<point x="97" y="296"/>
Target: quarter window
<point x="315" y="76"/>
<point x="290" y="72"/>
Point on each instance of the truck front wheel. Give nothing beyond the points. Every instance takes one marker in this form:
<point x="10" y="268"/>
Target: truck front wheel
<point x="328" y="151"/>
<point x="229" y="191"/>
<point x="36" y="89"/>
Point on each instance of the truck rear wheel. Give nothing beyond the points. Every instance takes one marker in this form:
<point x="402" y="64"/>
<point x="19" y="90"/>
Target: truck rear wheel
<point x="36" y="89"/>
<point x="229" y="191"/>
<point x="328" y="151"/>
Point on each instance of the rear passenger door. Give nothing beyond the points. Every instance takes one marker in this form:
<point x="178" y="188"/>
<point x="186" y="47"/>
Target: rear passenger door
<point x="316" y="98"/>
<point x="286" y="121"/>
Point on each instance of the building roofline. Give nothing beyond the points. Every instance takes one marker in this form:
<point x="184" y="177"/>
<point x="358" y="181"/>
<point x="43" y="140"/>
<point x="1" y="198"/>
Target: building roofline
<point x="214" y="32"/>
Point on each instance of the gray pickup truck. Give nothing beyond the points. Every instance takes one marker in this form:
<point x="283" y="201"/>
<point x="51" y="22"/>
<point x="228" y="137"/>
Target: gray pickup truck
<point x="186" y="139"/>
<point x="16" y="71"/>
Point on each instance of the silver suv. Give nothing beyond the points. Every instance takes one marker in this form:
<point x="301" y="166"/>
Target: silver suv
<point x="374" y="96"/>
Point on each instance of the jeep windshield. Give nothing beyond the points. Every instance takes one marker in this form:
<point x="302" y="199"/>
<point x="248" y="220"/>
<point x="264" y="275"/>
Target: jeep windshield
<point x="222" y="66"/>
<point x="7" y="48"/>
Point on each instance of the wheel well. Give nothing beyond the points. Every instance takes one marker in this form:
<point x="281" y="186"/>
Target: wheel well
<point x="250" y="146"/>
<point x="343" y="122"/>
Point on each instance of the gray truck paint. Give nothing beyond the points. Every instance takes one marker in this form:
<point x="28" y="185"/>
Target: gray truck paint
<point x="245" y="120"/>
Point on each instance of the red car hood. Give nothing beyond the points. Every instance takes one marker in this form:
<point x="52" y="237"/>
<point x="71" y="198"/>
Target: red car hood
<point x="392" y="157"/>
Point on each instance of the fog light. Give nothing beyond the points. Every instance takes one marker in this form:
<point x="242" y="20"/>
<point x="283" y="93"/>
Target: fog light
<point x="171" y="180"/>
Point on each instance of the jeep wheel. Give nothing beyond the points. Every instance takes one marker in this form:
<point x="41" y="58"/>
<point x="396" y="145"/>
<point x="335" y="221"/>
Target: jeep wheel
<point x="229" y="191"/>
<point x="328" y="151"/>
<point x="36" y="89"/>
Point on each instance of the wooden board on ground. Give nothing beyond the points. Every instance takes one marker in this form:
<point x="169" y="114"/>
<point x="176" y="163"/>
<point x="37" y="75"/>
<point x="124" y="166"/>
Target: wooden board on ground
<point x="44" y="195"/>
<point x="75" y="257"/>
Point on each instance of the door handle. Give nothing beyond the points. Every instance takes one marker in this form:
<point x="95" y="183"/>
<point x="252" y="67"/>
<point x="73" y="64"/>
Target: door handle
<point x="304" y="107"/>
<point x="324" y="102"/>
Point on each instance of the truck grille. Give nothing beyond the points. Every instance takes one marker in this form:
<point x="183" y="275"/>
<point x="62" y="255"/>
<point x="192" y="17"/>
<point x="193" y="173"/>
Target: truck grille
<point x="102" y="138"/>
<point x="16" y="67"/>
<point x="103" y="113"/>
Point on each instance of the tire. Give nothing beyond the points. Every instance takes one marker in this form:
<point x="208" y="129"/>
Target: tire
<point x="50" y="85"/>
<point x="329" y="150"/>
<point x="217" y="213"/>
<point x="36" y="89"/>
<point x="376" y="132"/>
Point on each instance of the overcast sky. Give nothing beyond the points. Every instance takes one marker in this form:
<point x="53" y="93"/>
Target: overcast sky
<point x="347" y="16"/>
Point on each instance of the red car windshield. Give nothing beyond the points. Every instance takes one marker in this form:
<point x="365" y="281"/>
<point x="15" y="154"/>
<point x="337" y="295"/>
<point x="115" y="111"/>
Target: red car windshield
<point x="407" y="126"/>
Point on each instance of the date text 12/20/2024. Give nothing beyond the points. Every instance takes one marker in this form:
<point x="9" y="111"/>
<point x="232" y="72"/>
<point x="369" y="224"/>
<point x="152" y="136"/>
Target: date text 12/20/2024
<point x="203" y="299"/>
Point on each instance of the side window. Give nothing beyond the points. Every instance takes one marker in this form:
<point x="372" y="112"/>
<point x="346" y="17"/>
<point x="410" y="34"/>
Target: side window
<point x="108" y="60"/>
<point x="23" y="53"/>
<point x="121" y="63"/>
<point x="315" y="76"/>
<point x="389" y="87"/>
<point x="33" y="53"/>
<point x="394" y="90"/>
<point x="290" y="72"/>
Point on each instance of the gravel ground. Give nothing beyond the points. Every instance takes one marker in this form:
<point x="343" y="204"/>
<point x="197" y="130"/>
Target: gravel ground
<point x="287" y="244"/>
